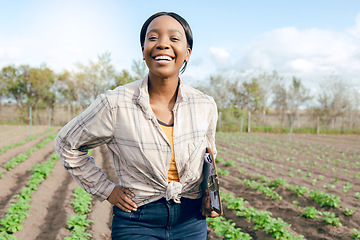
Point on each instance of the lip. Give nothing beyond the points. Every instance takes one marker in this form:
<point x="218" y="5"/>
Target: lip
<point x="166" y="55"/>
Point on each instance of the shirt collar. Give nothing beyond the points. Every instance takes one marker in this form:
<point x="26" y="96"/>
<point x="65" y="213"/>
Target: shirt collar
<point x="144" y="100"/>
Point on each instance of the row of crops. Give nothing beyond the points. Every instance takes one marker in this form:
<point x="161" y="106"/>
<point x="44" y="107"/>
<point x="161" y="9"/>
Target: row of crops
<point x="318" y="184"/>
<point x="271" y="189"/>
<point x="17" y="211"/>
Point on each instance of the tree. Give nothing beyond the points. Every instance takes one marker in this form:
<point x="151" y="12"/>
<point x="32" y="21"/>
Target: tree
<point x="280" y="99"/>
<point x="298" y="95"/>
<point x="288" y="99"/>
<point x="16" y="81"/>
<point x="247" y="95"/>
<point x="334" y="99"/>
<point x="123" y="78"/>
<point x="40" y="85"/>
<point x="218" y="87"/>
<point x="139" y="68"/>
<point x="95" y="78"/>
<point x="28" y="86"/>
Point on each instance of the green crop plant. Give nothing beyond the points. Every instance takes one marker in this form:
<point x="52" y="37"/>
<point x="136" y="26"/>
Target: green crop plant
<point x="262" y="219"/>
<point x="311" y="212"/>
<point x="222" y="172"/>
<point x="356" y="234"/>
<point x="357" y="195"/>
<point x="13" y="162"/>
<point x="357" y="175"/>
<point x="277" y="182"/>
<point x="313" y="182"/>
<point x="330" y="218"/>
<point x="22" y="142"/>
<point x="263" y="189"/>
<point x="81" y="201"/>
<point x="296" y="203"/>
<point x="226" y="229"/>
<point x="18" y="210"/>
<point x="78" y="225"/>
<point x="347" y="187"/>
<point x="219" y="160"/>
<point x="262" y="177"/>
<point x="325" y="199"/>
<point x="229" y="163"/>
<point x="298" y="190"/>
<point x="349" y="212"/>
<point x="325" y="166"/>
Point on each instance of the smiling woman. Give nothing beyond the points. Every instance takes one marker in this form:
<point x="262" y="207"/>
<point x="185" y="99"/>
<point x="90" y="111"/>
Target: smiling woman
<point x="157" y="130"/>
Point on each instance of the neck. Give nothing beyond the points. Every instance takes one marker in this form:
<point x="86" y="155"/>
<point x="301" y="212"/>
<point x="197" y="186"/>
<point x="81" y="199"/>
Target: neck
<point x="163" y="90"/>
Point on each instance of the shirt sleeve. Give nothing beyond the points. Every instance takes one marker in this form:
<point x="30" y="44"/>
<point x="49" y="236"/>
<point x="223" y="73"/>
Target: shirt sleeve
<point x="210" y="135"/>
<point x="92" y="128"/>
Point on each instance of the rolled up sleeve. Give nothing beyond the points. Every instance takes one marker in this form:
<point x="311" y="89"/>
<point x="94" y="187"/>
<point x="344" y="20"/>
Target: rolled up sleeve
<point x="92" y="128"/>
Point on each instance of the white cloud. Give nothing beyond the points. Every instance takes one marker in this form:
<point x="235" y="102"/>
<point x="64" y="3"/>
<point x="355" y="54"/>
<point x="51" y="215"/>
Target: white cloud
<point x="219" y="53"/>
<point x="311" y="54"/>
<point x="220" y="56"/>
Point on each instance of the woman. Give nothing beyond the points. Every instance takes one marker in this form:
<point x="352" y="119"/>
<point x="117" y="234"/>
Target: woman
<point x="157" y="130"/>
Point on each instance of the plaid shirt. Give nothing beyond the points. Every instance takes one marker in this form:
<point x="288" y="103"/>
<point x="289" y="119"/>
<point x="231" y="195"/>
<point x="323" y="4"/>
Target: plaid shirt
<point x="124" y="121"/>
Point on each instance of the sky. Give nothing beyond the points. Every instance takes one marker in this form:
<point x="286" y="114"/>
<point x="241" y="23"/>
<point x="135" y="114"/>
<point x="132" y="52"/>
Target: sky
<point x="311" y="40"/>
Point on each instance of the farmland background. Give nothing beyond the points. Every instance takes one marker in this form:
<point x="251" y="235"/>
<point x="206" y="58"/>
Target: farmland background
<point x="274" y="184"/>
<point x="305" y="182"/>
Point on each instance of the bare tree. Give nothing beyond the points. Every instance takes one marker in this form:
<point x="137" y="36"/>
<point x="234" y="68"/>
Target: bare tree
<point x="298" y="95"/>
<point x="288" y="99"/>
<point x="139" y="68"/>
<point x="99" y="76"/>
<point x="280" y="100"/>
<point x="334" y="99"/>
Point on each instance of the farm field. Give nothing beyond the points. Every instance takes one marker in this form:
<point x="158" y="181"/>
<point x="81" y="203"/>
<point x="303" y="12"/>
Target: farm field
<point x="312" y="183"/>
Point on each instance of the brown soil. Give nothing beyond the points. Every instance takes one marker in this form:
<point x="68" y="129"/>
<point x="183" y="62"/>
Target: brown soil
<point x="11" y="134"/>
<point x="236" y="150"/>
<point x="50" y="204"/>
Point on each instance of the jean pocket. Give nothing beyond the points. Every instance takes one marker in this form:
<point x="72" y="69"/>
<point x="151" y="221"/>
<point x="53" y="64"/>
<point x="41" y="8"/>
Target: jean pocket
<point x="133" y="215"/>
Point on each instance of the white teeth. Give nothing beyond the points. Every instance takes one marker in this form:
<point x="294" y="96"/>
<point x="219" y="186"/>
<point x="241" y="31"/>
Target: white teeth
<point x="163" y="58"/>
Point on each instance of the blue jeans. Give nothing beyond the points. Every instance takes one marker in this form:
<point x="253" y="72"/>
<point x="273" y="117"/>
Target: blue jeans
<point x="161" y="220"/>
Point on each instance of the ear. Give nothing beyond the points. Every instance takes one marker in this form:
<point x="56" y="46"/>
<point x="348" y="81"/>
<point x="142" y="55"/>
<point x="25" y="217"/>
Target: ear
<point x="142" y="50"/>
<point x="188" y="53"/>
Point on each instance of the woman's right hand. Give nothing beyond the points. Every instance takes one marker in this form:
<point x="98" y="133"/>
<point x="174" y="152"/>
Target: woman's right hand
<point x="122" y="198"/>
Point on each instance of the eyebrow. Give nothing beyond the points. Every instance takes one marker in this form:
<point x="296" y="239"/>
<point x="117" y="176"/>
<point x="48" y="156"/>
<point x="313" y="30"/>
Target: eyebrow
<point x="157" y="31"/>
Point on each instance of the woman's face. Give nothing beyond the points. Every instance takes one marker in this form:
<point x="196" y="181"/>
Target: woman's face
<point x="165" y="47"/>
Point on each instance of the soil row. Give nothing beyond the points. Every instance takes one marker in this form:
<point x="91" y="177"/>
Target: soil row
<point x="285" y="209"/>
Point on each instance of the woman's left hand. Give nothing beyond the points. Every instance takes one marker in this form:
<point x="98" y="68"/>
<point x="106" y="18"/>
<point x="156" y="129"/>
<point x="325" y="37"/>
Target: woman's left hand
<point x="205" y="206"/>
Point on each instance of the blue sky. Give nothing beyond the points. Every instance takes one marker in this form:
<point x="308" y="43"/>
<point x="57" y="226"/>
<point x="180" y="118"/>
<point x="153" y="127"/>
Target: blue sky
<point x="308" y="39"/>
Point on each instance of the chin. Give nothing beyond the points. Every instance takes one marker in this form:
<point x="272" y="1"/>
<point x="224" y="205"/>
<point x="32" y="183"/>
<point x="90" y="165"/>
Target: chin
<point x="164" y="74"/>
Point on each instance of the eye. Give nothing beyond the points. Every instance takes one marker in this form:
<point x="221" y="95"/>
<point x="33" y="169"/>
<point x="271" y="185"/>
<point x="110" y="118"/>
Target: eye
<point x="175" y="39"/>
<point x="152" y="37"/>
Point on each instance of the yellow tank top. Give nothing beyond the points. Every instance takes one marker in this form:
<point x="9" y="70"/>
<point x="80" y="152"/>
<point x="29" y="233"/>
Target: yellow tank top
<point x="173" y="175"/>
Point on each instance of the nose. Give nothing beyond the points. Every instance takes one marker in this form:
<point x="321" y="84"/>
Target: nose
<point x="163" y="44"/>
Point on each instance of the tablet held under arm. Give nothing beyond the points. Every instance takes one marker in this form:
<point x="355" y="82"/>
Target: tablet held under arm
<point x="211" y="181"/>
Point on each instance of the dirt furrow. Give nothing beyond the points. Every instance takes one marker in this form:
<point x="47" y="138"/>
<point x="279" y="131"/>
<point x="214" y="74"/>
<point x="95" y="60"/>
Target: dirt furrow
<point x="13" y="181"/>
<point x="55" y="219"/>
<point x="48" y="199"/>
<point x="285" y="209"/>
<point x="13" y="134"/>
<point x="21" y="149"/>
<point x="101" y="211"/>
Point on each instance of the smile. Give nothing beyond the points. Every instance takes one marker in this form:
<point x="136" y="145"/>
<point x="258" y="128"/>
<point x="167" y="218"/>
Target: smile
<point x="163" y="58"/>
